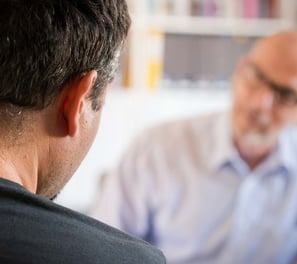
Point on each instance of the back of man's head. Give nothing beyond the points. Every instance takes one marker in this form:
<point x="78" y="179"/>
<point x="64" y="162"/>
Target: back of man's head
<point x="56" y="58"/>
<point x="43" y="44"/>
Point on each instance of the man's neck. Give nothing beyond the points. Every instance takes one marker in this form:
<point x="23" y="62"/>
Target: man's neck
<point x="253" y="161"/>
<point x="15" y="167"/>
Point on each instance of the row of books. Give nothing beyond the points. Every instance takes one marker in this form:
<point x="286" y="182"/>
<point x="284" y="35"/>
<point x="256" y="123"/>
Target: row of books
<point x="220" y="8"/>
<point x="175" y="61"/>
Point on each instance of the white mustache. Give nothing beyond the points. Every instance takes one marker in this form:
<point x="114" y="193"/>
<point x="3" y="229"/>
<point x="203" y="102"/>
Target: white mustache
<point x="260" y="119"/>
<point x="264" y="120"/>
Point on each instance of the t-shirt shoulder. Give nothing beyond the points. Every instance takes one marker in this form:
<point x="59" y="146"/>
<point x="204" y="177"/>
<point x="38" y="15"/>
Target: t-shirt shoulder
<point x="73" y="237"/>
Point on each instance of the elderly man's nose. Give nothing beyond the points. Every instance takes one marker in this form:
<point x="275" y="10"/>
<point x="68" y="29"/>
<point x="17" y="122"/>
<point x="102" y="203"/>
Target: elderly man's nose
<point x="264" y="99"/>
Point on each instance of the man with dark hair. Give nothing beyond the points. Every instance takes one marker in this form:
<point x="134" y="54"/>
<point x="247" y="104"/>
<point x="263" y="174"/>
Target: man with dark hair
<point x="56" y="59"/>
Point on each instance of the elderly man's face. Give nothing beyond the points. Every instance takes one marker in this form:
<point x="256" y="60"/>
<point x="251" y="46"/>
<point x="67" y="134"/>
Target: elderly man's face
<point x="265" y="98"/>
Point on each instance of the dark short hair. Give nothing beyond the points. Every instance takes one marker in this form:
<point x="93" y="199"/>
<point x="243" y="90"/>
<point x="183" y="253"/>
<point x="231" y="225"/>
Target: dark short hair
<point x="45" y="43"/>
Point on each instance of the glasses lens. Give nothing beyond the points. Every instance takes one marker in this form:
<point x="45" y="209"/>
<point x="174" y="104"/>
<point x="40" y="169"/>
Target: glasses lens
<point x="255" y="78"/>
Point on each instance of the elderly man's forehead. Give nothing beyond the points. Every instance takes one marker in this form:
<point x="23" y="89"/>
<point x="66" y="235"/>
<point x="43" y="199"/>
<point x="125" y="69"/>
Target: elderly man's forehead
<point x="276" y="57"/>
<point x="278" y="45"/>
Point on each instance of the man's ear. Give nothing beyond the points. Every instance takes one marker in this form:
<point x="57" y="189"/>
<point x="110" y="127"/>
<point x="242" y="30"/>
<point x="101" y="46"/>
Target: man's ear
<point x="74" y="101"/>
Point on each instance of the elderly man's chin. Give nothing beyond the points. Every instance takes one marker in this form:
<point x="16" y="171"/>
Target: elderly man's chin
<point x="257" y="144"/>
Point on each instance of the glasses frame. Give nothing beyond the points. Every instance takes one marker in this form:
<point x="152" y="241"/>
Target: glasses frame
<point x="283" y="95"/>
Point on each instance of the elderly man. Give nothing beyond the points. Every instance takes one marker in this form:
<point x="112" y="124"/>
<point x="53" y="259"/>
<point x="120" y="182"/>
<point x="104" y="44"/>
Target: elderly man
<point x="220" y="188"/>
<point x="56" y="59"/>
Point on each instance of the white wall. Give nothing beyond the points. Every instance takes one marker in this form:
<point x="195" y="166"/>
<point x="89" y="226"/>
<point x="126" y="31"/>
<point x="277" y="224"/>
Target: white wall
<point x="125" y="114"/>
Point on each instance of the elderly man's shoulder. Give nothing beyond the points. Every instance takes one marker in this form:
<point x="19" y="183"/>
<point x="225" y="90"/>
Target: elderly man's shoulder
<point x="195" y="127"/>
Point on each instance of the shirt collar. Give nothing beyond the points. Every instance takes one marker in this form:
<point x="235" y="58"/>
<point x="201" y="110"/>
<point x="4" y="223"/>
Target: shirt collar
<point x="287" y="149"/>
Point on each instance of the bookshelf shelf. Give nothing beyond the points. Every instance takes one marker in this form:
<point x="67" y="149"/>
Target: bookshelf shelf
<point x="212" y="25"/>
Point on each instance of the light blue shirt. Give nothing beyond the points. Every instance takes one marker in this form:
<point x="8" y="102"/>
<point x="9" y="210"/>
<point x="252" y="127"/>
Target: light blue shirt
<point x="183" y="187"/>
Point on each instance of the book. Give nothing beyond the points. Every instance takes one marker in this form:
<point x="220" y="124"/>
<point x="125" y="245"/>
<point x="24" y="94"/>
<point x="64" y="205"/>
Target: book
<point x="154" y="58"/>
<point x="251" y="8"/>
<point x="209" y="8"/>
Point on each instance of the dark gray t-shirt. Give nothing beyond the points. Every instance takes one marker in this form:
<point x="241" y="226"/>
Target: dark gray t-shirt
<point x="36" y="230"/>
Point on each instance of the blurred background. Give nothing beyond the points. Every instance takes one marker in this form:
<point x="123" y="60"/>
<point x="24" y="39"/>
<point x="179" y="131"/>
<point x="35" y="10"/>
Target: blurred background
<point x="177" y="62"/>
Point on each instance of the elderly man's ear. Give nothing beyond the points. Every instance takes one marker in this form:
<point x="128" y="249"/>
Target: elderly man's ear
<point x="76" y="98"/>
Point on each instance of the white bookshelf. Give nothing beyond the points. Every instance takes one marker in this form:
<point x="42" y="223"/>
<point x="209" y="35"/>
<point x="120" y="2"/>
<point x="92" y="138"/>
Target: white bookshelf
<point x="230" y="23"/>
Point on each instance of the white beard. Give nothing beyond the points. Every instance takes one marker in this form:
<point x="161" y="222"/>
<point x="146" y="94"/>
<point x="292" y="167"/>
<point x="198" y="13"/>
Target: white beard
<point x="255" y="139"/>
<point x="254" y="144"/>
<point x="259" y="137"/>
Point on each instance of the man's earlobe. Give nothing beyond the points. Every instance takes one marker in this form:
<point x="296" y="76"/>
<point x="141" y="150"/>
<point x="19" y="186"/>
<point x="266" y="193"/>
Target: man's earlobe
<point x="77" y="92"/>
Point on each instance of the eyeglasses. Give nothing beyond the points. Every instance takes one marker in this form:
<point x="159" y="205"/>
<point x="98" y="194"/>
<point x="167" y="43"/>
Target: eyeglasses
<point x="255" y="78"/>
